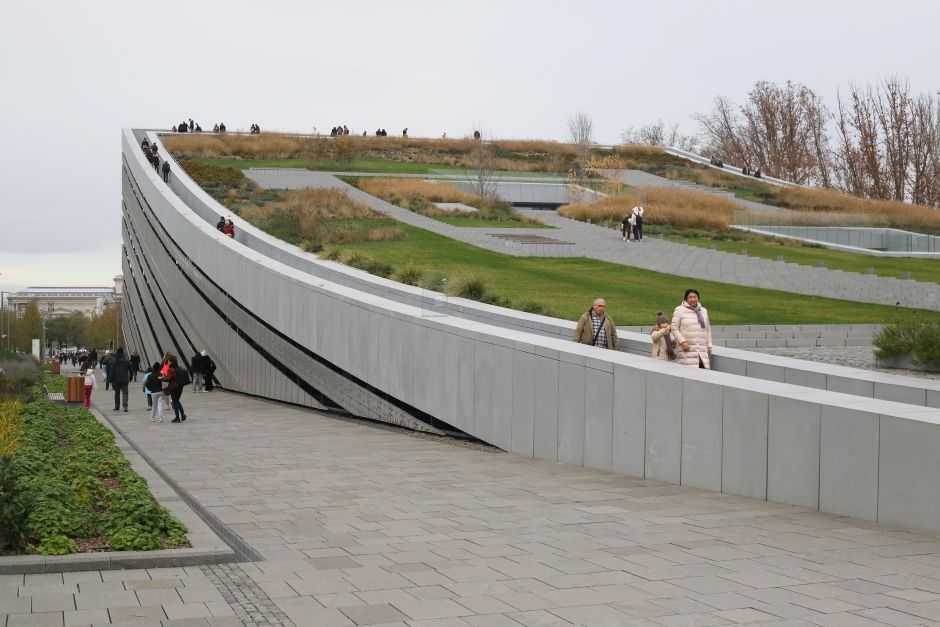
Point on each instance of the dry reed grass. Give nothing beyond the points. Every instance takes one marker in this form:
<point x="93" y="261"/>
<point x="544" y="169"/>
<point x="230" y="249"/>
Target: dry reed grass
<point x="662" y="206"/>
<point x="309" y="205"/>
<point x="534" y="155"/>
<point x="401" y="191"/>
<point x="881" y="212"/>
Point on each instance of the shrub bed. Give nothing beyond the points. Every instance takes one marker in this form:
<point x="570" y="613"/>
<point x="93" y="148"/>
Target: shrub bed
<point x="919" y="340"/>
<point x="65" y="487"/>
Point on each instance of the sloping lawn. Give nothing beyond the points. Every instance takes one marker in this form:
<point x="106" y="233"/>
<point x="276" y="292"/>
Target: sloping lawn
<point x="568" y="286"/>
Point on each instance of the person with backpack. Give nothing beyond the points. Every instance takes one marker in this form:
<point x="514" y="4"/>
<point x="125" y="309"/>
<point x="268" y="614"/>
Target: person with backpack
<point x="176" y="378"/>
<point x="208" y="372"/>
<point x="153" y="386"/>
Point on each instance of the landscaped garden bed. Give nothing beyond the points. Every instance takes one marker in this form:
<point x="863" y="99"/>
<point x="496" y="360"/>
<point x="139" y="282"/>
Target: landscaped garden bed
<point x="65" y="487"/>
<point x="422" y="197"/>
<point x="909" y="345"/>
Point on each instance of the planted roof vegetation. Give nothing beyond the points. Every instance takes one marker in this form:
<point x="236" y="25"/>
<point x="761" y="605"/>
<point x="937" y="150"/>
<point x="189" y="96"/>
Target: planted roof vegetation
<point x="559" y="286"/>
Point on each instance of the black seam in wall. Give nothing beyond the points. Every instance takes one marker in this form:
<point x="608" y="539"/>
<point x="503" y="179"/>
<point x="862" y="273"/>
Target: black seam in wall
<point x="405" y="407"/>
<point x="293" y="377"/>
<point x="136" y="285"/>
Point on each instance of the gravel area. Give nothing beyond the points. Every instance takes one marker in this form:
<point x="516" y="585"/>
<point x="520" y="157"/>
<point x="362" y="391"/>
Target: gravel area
<point x="852" y="356"/>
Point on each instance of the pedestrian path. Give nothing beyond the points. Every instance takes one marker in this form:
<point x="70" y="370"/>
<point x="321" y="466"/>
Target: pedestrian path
<point x="598" y="242"/>
<point x="359" y="525"/>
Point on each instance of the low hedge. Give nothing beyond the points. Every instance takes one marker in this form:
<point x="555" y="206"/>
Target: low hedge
<point x="66" y="484"/>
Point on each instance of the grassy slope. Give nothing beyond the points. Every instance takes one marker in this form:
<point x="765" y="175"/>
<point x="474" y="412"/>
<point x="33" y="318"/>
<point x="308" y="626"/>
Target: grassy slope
<point x="569" y="285"/>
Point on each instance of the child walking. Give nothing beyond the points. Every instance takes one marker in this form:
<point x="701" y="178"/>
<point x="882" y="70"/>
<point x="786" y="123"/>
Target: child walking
<point x="153" y="387"/>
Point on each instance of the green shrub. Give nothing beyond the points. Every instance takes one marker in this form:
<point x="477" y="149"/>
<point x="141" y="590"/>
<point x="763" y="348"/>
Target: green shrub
<point x="433" y="280"/>
<point x="409" y="274"/>
<point x="13" y="506"/>
<point x="468" y="283"/>
<point x="57" y="545"/>
<point x="535" y="307"/>
<point x="920" y="340"/>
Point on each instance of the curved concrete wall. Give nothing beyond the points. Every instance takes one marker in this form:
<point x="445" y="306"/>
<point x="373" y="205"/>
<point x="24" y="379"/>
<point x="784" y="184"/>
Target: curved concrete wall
<point x="278" y="331"/>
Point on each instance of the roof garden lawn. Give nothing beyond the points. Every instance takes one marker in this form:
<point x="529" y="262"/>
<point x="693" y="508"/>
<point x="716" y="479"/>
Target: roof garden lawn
<point x="569" y="285"/>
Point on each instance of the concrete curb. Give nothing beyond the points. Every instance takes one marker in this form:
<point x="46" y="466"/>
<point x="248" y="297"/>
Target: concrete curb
<point x="207" y="546"/>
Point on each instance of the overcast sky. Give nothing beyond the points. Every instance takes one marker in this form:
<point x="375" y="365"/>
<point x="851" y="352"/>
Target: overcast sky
<point x="72" y="74"/>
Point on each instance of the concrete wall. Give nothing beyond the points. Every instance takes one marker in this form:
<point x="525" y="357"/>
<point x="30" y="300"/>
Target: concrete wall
<point x="535" y="395"/>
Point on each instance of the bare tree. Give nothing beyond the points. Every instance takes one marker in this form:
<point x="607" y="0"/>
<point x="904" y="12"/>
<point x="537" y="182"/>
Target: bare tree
<point x="581" y="133"/>
<point x="482" y="158"/>
<point x="720" y="132"/>
<point x="658" y="134"/>
<point x="888" y="143"/>
<point x="781" y="129"/>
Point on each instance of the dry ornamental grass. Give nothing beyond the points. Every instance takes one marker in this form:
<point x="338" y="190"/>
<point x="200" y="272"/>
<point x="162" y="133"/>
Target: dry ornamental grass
<point x="399" y="191"/>
<point x="662" y="205"/>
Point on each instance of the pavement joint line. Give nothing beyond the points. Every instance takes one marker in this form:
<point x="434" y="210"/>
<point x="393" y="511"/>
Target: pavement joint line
<point x="243" y="551"/>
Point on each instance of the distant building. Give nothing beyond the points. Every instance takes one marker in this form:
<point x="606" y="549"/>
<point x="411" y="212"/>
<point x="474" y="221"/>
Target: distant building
<point x="54" y="302"/>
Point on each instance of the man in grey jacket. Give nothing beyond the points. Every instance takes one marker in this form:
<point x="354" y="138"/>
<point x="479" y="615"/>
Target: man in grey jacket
<point x="119" y="374"/>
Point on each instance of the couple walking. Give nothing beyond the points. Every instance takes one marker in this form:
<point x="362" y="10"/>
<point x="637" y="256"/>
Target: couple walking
<point x="687" y="339"/>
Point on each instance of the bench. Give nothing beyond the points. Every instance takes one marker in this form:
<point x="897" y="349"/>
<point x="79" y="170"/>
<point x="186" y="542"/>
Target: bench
<point x="55" y="397"/>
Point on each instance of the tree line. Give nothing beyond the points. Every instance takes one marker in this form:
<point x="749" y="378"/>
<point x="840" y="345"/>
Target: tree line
<point x="99" y="331"/>
<point x="879" y="140"/>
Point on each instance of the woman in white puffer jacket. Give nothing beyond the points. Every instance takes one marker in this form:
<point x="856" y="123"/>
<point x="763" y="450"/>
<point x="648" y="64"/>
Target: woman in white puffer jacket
<point x="693" y="331"/>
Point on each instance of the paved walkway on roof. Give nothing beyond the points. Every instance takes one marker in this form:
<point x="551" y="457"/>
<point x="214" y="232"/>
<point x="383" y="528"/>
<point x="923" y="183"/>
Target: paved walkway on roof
<point x="597" y="242"/>
<point x="360" y="525"/>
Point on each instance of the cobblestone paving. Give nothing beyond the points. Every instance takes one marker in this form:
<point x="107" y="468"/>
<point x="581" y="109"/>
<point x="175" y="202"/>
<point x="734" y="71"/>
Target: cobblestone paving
<point x="250" y="602"/>
<point x="364" y="526"/>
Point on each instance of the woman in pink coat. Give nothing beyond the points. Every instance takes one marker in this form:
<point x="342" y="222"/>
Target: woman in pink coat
<point x="693" y="331"/>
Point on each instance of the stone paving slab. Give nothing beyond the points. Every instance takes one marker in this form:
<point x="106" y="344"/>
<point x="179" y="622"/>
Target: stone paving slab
<point x="369" y="526"/>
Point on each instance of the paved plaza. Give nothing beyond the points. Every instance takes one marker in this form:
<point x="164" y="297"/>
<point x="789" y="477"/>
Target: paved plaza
<point x="359" y="525"/>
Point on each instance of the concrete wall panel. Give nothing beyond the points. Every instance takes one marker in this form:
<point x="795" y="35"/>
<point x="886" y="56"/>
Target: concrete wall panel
<point x="701" y="435"/>
<point x="598" y="419"/>
<point x="848" y="462"/>
<point x="571" y="388"/>
<point x="744" y="443"/>
<point x="793" y="452"/>
<point x="629" y="422"/>
<point x="664" y="427"/>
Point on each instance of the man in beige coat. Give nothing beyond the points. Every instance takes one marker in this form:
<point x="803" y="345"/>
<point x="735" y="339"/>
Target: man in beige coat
<point x="596" y="328"/>
<point x="693" y="331"/>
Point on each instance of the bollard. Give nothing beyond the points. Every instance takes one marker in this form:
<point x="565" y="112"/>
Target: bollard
<point x="821" y="264"/>
<point x="869" y="270"/>
<point x="906" y="276"/>
<point x="686" y="241"/>
<point x="743" y="252"/>
<point x="779" y="257"/>
<point x="660" y="236"/>
<point x="712" y="246"/>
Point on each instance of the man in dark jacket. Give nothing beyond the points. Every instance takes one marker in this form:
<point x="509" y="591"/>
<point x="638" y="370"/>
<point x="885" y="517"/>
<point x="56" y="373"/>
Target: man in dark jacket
<point x="119" y="373"/>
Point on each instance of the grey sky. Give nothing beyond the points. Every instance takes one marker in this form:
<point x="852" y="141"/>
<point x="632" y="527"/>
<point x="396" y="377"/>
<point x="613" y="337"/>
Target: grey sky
<point x="73" y="73"/>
